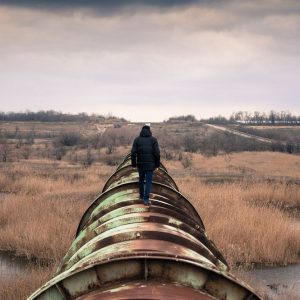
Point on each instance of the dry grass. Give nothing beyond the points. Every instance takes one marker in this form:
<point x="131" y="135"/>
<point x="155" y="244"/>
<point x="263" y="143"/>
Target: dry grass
<point x="276" y="194"/>
<point x="48" y="127"/>
<point x="260" y="164"/>
<point x="244" y="231"/>
<point x="40" y="215"/>
<point x="42" y="203"/>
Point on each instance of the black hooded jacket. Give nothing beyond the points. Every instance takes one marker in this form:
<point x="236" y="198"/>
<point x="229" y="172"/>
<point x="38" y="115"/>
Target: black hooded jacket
<point x="145" y="152"/>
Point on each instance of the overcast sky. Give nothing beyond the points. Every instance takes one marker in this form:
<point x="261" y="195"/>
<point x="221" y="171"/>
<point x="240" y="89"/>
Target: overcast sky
<point x="149" y="60"/>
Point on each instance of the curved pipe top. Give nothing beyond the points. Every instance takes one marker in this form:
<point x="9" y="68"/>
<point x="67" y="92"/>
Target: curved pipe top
<point x="122" y="245"/>
<point x="127" y="162"/>
<point x="127" y="192"/>
<point x="130" y="174"/>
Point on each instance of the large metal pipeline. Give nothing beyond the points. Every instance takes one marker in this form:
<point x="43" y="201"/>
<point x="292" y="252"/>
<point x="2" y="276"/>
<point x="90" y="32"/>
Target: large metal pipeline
<point x="126" y="250"/>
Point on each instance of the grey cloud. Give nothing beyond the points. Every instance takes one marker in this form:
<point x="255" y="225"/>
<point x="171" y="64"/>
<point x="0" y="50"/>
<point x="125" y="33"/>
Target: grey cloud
<point x="254" y="8"/>
<point x="246" y="10"/>
<point x="107" y="4"/>
<point x="238" y="52"/>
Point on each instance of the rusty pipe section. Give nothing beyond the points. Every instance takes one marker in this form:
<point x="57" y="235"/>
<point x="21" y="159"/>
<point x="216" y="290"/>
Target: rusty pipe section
<point x="125" y="250"/>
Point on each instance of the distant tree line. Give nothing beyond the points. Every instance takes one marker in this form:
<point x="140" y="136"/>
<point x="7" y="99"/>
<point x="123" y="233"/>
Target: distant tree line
<point x="273" y="117"/>
<point x="258" y="118"/>
<point x="245" y="117"/>
<point x="54" y="116"/>
<point x="218" y="120"/>
<point x="183" y="118"/>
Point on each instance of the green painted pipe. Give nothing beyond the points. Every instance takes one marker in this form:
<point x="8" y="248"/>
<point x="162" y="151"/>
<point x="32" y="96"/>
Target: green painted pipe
<point x="126" y="250"/>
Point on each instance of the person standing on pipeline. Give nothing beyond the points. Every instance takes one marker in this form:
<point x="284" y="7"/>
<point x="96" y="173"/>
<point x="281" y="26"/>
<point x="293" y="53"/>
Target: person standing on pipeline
<point x="145" y="155"/>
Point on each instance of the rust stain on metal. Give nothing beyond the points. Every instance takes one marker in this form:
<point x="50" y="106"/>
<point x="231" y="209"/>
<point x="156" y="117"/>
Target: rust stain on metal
<point x="125" y="250"/>
<point x="149" y="291"/>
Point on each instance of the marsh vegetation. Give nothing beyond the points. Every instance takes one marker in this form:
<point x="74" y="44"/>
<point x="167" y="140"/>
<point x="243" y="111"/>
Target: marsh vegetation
<point x="249" y="201"/>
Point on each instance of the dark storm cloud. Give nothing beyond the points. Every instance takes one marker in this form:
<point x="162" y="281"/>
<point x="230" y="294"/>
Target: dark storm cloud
<point x="252" y="6"/>
<point x="108" y="4"/>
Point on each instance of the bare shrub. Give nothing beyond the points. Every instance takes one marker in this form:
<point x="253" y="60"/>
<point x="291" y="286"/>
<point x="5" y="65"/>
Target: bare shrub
<point x="186" y="160"/>
<point x="115" y="137"/>
<point x="59" y="151"/>
<point x="46" y="151"/>
<point x="109" y="140"/>
<point x="29" y="139"/>
<point x="4" y="149"/>
<point x="68" y="139"/>
<point x="89" y="159"/>
<point x="73" y="157"/>
<point x="25" y="152"/>
<point x="95" y="140"/>
<point x="168" y="154"/>
<point x="112" y="160"/>
<point x="183" y="118"/>
<point x="291" y="147"/>
<point x="111" y="148"/>
<point x="18" y="137"/>
<point x="224" y="142"/>
<point x="167" y="140"/>
<point x="190" y="143"/>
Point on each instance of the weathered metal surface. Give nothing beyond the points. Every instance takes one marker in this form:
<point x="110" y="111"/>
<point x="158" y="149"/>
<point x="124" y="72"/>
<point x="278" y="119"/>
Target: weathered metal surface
<point x="125" y="175"/>
<point x="125" y="250"/>
<point x="128" y="193"/>
<point x="148" y="291"/>
<point x="127" y="162"/>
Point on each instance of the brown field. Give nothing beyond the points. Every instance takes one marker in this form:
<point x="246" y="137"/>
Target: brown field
<point x="43" y="201"/>
<point x="264" y="234"/>
<point x="47" y="199"/>
<point x="261" y="165"/>
<point x="249" y="203"/>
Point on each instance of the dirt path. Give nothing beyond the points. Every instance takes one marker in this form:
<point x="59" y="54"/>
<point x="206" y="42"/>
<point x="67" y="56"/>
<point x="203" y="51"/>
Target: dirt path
<point x="246" y="135"/>
<point x="102" y="128"/>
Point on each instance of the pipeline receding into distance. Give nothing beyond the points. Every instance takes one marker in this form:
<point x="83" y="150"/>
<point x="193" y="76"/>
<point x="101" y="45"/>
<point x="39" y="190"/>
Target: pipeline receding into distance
<point x="126" y="250"/>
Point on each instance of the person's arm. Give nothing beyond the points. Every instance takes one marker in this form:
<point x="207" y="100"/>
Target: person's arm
<point x="133" y="153"/>
<point x="156" y="153"/>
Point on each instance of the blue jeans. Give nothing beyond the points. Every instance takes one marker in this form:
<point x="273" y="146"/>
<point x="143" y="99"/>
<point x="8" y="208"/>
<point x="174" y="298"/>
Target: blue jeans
<point x="144" y="192"/>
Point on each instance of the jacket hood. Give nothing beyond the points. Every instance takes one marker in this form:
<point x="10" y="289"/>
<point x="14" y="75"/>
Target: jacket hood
<point x="145" y="132"/>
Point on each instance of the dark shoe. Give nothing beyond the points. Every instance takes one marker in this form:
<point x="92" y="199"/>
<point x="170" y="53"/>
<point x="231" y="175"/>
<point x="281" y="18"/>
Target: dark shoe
<point x="146" y="202"/>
